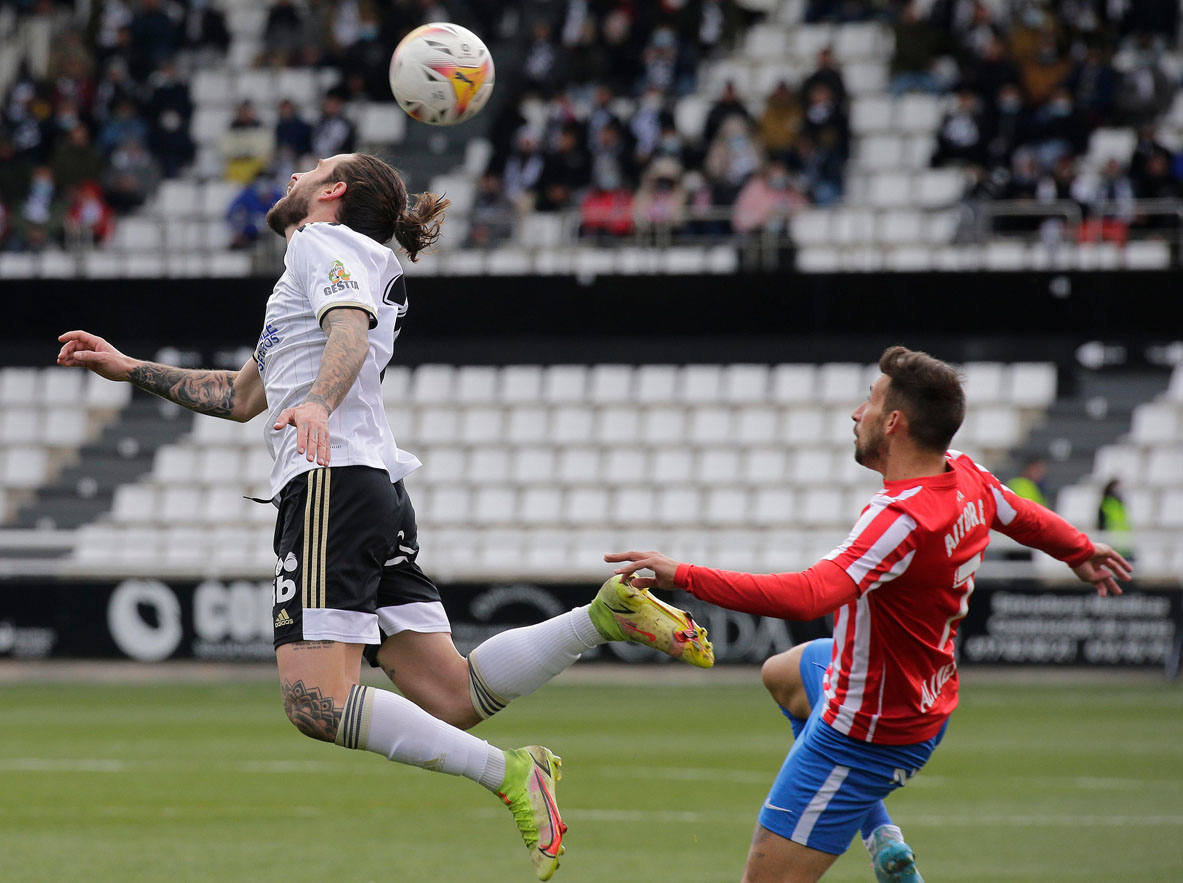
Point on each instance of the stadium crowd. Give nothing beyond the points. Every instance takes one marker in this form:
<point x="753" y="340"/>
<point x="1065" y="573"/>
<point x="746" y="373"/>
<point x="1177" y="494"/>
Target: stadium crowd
<point x="100" y="111"/>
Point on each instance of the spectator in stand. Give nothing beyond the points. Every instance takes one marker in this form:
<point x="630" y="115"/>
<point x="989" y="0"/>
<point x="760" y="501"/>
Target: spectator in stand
<point x="1044" y="68"/>
<point x="40" y="221"/>
<point x="646" y="125"/>
<point x="523" y="170"/>
<point x="1146" y="147"/>
<point x="1145" y="91"/>
<point x="607" y="207"/>
<point x="612" y="165"/>
<point x="169" y="110"/>
<point x="1031" y="482"/>
<point x="5" y="227"/>
<point x="1156" y="181"/>
<point x="246" y="145"/>
<point x="622" y="50"/>
<point x="1057" y="129"/>
<point x="828" y="75"/>
<point x="917" y="45"/>
<point x="565" y="171"/>
<point x="76" y="160"/>
<point x="125" y="123"/>
<point x="72" y="72"/>
<point x="26" y="117"/>
<point x="204" y="32"/>
<point x="491" y="218"/>
<point x="540" y="66"/>
<point x="1093" y="85"/>
<point x="962" y="137"/>
<point x="660" y="204"/>
<point x="155" y="38"/>
<point x="988" y="72"/>
<point x="88" y="220"/>
<point x="293" y="139"/>
<point x="731" y="159"/>
<point x="247" y="213"/>
<point x="601" y="115"/>
<point x="15" y="173"/>
<point x="282" y="34"/>
<point x="115" y="87"/>
<point x="1108" y="199"/>
<point x="727" y="105"/>
<point x="334" y="133"/>
<point x="1113" y="518"/>
<point x="780" y="122"/>
<point x="766" y="201"/>
<point x="131" y="177"/>
<point x="1009" y="126"/>
<point x="820" y="165"/>
<point x="825" y="119"/>
<point x="659" y="65"/>
<point x="671" y="144"/>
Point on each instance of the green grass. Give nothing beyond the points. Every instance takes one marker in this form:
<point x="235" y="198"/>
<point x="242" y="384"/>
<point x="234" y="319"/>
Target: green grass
<point x="209" y="782"/>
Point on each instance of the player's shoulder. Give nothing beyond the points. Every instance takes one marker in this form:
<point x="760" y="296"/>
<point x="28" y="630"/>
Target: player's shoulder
<point x="322" y="235"/>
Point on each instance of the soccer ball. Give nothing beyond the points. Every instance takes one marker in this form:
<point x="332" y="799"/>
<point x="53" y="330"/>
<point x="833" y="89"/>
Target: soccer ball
<point x="441" y="74"/>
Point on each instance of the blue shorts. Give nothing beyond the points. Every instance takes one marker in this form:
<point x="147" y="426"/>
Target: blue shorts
<point x="829" y="782"/>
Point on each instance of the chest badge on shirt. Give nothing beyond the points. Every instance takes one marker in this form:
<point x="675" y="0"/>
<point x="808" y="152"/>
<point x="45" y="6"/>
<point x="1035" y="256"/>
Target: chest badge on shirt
<point x="339" y="279"/>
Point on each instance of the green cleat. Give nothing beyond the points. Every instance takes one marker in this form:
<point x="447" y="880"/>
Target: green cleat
<point x="892" y="859"/>
<point x="528" y="789"/>
<point x="622" y="612"/>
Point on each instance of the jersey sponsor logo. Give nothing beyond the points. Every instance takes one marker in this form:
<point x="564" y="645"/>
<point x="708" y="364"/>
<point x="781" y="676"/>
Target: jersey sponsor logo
<point x="339" y="279"/>
<point x="973" y="515"/>
<point x="268" y="338"/>
<point x="930" y="690"/>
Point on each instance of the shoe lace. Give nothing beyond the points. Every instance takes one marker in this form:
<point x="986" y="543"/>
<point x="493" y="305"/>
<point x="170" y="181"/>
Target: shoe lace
<point x="523" y="816"/>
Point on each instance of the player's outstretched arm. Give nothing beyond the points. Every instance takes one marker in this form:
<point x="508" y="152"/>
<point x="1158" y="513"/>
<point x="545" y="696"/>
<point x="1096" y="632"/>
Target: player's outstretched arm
<point x="1104" y="569"/>
<point x="664" y="568"/>
<point x="348" y="332"/>
<point x="233" y="396"/>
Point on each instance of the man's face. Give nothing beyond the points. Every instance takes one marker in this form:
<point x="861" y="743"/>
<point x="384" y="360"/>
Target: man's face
<point x="870" y="442"/>
<point x="293" y="206"/>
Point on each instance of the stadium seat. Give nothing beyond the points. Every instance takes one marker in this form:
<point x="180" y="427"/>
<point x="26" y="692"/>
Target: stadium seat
<point x="889" y="190"/>
<point x="672" y="464"/>
<point x="918" y="113"/>
<point x="1119" y="461"/>
<point x="899" y="226"/>
<point x="1147" y="255"/>
<point x="811" y="226"/>
<point x="521" y="384"/>
<point x="626" y="465"/>
<point x="857" y="42"/>
<point x="541" y="505"/>
<point x="984" y="382"/>
<point x="908" y="258"/>
<point x="616" y="425"/>
<point x="725" y="506"/>
<point x="1107" y="143"/>
<point x="704" y="384"/>
<point x="708" y="425"/>
<point x="809" y="40"/>
<point x="257" y="86"/>
<point x="476" y="384"/>
<point x="1164" y="464"/>
<point x="690" y="115"/>
<point x="764" y="466"/>
<point x="793" y="383"/>
<point x="571" y="424"/>
<point x="825" y="505"/>
<point x="214" y="198"/>
<point x="871" y="114"/>
<point x="579" y="465"/>
<point x="656" y="383"/>
<point x="527" y="423"/>
<point x="865" y="78"/>
<point x="432" y="384"/>
<point x="994" y="427"/>
<point x="610" y="383"/>
<point x="437" y="425"/>
<point x="1078" y="504"/>
<point x="841" y="383"/>
<point x="815" y="259"/>
<point x="1032" y="384"/>
<point x="381" y="123"/>
<point x="772" y="506"/>
<point x="209" y="123"/>
<point x="756" y="425"/>
<point x="1170" y="513"/>
<point x="767" y="40"/>
<point x="678" y="506"/>
<point x="586" y="506"/>
<point x="65" y="427"/>
<point x="174" y="463"/>
<point x="134" y="504"/>
<point x="297" y="84"/>
<point x="879" y="152"/>
<point x="936" y="188"/>
<point x="1155" y="423"/>
<point x="718" y="464"/>
<point x="662" y="424"/>
<point x="21" y="426"/>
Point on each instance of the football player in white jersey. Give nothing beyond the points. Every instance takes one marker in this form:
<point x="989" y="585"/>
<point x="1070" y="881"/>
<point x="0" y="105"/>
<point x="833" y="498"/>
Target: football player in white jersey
<point x="346" y="581"/>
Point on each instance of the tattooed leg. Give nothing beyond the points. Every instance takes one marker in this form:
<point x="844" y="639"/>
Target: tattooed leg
<point x="313" y="713"/>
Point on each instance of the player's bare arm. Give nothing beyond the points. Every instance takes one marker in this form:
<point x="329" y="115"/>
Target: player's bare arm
<point x="348" y="342"/>
<point x="228" y="394"/>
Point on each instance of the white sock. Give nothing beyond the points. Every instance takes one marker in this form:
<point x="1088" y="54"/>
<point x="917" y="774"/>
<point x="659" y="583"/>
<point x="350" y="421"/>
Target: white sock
<point x="398" y="729"/>
<point x="519" y="661"/>
<point x="886" y="833"/>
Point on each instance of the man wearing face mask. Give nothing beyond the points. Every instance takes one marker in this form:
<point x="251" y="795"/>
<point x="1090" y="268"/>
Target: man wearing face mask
<point x="1057" y="129"/>
<point x="1008" y="125"/>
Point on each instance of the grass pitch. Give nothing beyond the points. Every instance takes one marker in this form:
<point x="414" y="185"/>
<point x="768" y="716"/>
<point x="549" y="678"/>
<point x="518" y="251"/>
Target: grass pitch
<point x="180" y="782"/>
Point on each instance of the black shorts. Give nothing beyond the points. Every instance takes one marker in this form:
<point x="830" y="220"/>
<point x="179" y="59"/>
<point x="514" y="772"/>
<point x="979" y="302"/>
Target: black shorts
<point x="345" y="547"/>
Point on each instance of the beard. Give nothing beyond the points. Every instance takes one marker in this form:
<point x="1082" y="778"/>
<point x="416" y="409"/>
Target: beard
<point x="868" y="447"/>
<point x="289" y="211"/>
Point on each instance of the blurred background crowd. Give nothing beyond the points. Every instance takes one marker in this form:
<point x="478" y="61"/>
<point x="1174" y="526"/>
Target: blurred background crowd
<point x="97" y="107"/>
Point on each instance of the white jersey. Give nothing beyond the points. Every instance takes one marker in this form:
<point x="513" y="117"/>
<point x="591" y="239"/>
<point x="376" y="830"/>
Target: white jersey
<point x="329" y="265"/>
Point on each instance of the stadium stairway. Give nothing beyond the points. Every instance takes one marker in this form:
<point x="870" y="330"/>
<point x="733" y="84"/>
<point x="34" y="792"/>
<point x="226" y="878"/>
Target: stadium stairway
<point x="1096" y="412"/>
<point x="123" y="452"/>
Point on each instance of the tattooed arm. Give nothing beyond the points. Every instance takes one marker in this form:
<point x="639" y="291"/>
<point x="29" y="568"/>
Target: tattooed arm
<point x="235" y="396"/>
<point x="348" y="332"/>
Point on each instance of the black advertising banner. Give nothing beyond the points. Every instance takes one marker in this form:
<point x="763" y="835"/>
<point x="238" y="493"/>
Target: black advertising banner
<point x="1026" y="624"/>
<point x="151" y="620"/>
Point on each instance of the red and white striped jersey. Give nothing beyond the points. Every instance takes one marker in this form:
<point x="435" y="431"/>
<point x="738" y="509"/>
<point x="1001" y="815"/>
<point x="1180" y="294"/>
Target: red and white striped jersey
<point x="912" y="556"/>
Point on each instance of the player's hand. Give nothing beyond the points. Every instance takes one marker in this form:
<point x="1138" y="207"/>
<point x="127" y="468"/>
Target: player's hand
<point x="1104" y="569"/>
<point x="663" y="568"/>
<point x="311" y="420"/>
<point x="81" y="349"/>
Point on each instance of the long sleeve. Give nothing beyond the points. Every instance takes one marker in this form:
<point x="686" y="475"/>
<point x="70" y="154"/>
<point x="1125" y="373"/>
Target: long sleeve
<point x="822" y="588"/>
<point x="1040" y="528"/>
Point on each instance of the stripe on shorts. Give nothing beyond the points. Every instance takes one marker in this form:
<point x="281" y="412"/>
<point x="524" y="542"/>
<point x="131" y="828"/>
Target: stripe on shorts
<point x="316" y="533"/>
<point x="818" y="803"/>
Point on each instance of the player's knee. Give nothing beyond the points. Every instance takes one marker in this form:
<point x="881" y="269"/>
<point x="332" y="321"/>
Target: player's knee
<point x="311" y="712"/>
<point x="781" y="675"/>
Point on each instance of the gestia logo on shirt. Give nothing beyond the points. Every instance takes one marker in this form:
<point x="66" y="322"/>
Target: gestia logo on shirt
<point x="338" y="279"/>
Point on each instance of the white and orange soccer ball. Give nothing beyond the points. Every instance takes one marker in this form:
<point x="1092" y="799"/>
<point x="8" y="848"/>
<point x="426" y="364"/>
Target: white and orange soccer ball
<point x="441" y="74"/>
